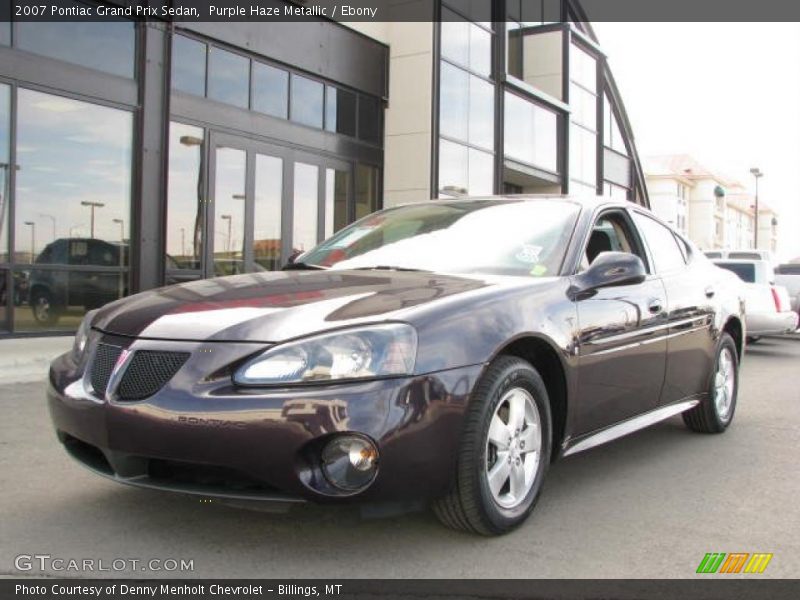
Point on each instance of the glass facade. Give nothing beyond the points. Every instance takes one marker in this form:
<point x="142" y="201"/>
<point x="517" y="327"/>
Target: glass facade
<point x="466" y="106"/>
<point x="560" y="117"/>
<point x="261" y="158"/>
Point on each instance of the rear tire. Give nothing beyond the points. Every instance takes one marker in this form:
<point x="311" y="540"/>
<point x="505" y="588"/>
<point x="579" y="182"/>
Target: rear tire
<point x="504" y="454"/>
<point x="715" y="411"/>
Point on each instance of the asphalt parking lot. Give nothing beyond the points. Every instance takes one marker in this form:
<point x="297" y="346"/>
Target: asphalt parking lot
<point x="647" y="506"/>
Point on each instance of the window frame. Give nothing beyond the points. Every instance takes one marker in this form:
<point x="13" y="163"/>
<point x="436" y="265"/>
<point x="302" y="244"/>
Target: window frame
<point x="685" y="257"/>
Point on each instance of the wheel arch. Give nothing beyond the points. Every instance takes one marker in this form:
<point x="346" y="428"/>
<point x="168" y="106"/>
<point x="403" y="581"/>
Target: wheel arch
<point x="544" y="356"/>
<point x="733" y="327"/>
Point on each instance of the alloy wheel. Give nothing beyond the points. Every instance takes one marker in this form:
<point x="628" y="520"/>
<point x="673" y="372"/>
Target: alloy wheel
<point x="513" y="448"/>
<point x="724" y="382"/>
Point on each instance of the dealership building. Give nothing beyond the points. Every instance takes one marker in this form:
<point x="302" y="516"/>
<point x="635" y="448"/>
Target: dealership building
<point x="134" y="155"/>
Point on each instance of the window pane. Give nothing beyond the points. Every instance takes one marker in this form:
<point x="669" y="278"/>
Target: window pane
<point x="536" y="58"/>
<point x="455" y="37"/>
<point x="454" y="102"/>
<point x="480" y="50"/>
<point x="270" y="90"/>
<point x="466" y="44"/>
<point x="5" y="40"/>
<point x="228" y="77"/>
<point x="229" y="201"/>
<point x="340" y="111"/>
<point x="184" y="197"/>
<point x="584" y="107"/>
<point x="188" y="65"/>
<point x="583" y="68"/>
<point x="531" y="133"/>
<point x="481" y="113"/>
<point x="74" y="177"/>
<point x="306" y="101"/>
<point x="664" y="249"/>
<point x="267" y="217"/>
<point x="5" y="167"/>
<point x="306" y="216"/>
<point x="336" y="183"/>
<point x="370" y="119"/>
<point x="583" y="155"/>
<point x="453" y="169"/>
<point x="481" y="173"/>
<point x="73" y="202"/>
<point x="366" y="191"/>
<point x="107" y="46"/>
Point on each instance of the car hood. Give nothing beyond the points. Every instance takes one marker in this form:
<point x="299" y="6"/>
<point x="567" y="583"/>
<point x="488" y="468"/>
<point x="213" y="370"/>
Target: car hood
<point x="275" y="306"/>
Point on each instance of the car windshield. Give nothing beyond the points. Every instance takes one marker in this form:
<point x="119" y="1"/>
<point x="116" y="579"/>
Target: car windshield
<point x="519" y="237"/>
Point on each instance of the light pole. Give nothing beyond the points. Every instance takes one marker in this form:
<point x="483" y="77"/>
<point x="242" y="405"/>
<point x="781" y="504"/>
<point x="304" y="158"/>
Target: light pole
<point x="121" y="229"/>
<point x="183" y="242"/>
<point x="756" y="172"/>
<point x="33" y="238"/>
<point x="53" y="219"/>
<point x="121" y="222"/>
<point x="191" y="141"/>
<point x="92" y="206"/>
<point x="228" y="219"/>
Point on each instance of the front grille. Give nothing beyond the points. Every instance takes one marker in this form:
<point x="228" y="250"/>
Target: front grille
<point x="147" y="373"/>
<point x="105" y="357"/>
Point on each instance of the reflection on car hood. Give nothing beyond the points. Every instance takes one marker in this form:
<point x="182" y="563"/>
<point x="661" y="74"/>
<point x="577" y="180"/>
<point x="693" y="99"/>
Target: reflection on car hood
<point x="275" y="306"/>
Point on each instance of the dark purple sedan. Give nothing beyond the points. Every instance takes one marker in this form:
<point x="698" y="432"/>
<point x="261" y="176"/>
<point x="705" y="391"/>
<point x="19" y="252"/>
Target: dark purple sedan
<point x="444" y="352"/>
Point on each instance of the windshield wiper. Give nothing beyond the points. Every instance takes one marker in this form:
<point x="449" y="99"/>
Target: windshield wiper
<point x="301" y="266"/>
<point x="390" y="268"/>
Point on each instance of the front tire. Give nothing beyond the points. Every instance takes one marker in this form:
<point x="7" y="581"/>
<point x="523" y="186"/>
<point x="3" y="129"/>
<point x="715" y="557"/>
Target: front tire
<point x="715" y="412"/>
<point x="505" y="451"/>
<point x="44" y="312"/>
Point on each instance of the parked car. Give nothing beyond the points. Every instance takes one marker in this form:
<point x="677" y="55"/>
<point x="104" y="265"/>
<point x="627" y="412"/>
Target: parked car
<point x="445" y="351"/>
<point x="767" y="305"/>
<point x="56" y="290"/>
<point x="788" y="275"/>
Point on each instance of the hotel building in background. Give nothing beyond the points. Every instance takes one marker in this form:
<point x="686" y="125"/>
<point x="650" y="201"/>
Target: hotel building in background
<point x="715" y="211"/>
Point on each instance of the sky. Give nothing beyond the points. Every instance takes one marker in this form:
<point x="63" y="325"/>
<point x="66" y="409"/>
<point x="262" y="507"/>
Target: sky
<point x="726" y="93"/>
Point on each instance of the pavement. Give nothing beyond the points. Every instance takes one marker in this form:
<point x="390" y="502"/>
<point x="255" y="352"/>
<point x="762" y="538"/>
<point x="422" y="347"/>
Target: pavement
<point x="27" y="359"/>
<point x="648" y="506"/>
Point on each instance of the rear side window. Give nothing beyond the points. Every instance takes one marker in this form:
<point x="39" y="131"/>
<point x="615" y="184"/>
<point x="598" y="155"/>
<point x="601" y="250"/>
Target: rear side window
<point x="745" y="271"/>
<point x="664" y="248"/>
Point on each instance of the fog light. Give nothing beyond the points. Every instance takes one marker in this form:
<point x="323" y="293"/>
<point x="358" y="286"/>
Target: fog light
<point x="349" y="462"/>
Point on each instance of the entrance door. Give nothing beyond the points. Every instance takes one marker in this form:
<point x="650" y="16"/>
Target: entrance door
<point x="265" y="204"/>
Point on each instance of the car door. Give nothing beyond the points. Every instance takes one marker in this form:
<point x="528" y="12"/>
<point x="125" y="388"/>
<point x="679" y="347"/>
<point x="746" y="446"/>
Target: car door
<point x="622" y="334"/>
<point x="691" y="305"/>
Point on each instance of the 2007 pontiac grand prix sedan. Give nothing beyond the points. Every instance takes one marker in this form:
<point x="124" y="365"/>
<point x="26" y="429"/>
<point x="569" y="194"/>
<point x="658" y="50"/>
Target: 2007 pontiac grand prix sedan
<point x="447" y="351"/>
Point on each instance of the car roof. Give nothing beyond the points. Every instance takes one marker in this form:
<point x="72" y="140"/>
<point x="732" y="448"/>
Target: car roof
<point x="587" y="201"/>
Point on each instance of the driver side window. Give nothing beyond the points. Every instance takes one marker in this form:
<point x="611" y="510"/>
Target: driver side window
<point x="610" y="233"/>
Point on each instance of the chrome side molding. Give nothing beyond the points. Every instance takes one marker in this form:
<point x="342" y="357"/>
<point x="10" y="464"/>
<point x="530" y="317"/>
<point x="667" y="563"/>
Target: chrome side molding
<point x="629" y="426"/>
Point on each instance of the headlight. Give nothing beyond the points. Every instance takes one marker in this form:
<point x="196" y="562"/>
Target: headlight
<point x="360" y="353"/>
<point x="82" y="336"/>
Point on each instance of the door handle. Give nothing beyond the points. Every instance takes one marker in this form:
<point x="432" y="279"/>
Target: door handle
<point x="654" y="306"/>
<point x="710" y="292"/>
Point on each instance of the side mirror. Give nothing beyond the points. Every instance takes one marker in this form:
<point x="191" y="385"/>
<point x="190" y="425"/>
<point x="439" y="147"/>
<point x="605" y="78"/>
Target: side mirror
<point x="609" y="269"/>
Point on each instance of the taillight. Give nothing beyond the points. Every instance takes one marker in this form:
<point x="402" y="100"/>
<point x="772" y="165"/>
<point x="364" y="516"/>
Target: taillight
<point x="777" y="298"/>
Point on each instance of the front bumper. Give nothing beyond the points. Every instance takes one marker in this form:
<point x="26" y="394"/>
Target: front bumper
<point x="771" y="323"/>
<point x="200" y="434"/>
